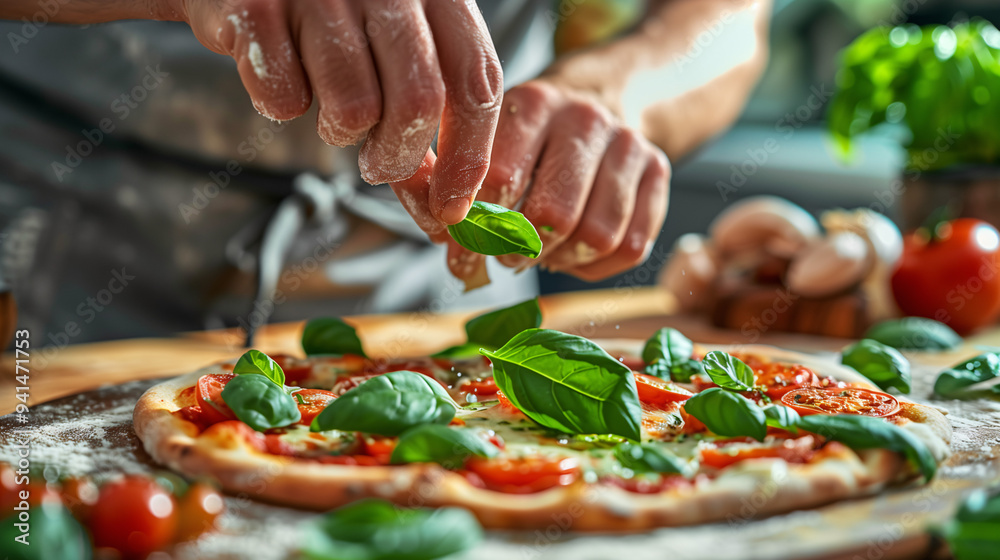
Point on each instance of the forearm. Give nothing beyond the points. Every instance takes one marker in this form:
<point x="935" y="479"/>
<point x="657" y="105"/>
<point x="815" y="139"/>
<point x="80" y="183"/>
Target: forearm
<point x="88" y="11"/>
<point x="683" y="76"/>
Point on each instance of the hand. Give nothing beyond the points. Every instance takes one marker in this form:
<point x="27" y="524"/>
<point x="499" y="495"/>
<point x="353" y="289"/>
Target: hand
<point x="386" y="72"/>
<point x="595" y="191"/>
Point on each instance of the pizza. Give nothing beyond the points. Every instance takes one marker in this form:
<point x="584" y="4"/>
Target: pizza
<point x="543" y="428"/>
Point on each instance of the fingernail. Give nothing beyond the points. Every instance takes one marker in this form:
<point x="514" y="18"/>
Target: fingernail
<point x="454" y="210"/>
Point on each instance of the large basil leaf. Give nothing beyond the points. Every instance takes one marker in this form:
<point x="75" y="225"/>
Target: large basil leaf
<point x="882" y="364"/>
<point x="388" y="405"/>
<point x="330" y="335"/>
<point x="727" y="414"/>
<point x="649" y="458"/>
<point x="866" y="432"/>
<point x="434" y="443"/>
<point x="260" y="403"/>
<point x="728" y="371"/>
<point x="665" y="351"/>
<point x="494" y="329"/>
<point x="257" y="362"/>
<point x="54" y="533"/>
<point x="567" y="383"/>
<point x="915" y="333"/>
<point x="782" y="417"/>
<point x="377" y="530"/>
<point x="974" y="532"/>
<point x="976" y="370"/>
<point x="490" y="229"/>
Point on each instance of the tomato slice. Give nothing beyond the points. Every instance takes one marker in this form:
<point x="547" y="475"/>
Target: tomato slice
<point x="380" y="448"/>
<point x="657" y="392"/>
<point x="847" y="400"/>
<point x="209" y="394"/>
<point x="780" y="378"/>
<point x="524" y="475"/>
<point x="133" y="515"/>
<point x="311" y="402"/>
<point x="798" y="450"/>
<point x="296" y="370"/>
<point x="484" y="387"/>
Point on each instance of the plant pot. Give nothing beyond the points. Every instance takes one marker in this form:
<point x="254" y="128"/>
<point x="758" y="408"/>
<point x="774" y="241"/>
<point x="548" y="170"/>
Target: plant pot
<point x="972" y="192"/>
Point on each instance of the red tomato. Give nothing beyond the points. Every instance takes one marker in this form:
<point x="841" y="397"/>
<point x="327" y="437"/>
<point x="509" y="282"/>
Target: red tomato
<point x="209" y="393"/>
<point x="781" y="378"/>
<point x="848" y="400"/>
<point x="311" y="402"/>
<point x="10" y="490"/>
<point x="952" y="278"/>
<point x="691" y="424"/>
<point x="379" y="447"/>
<point x="525" y="475"/>
<point x="657" y="392"/>
<point x="798" y="450"/>
<point x="133" y="515"/>
<point x="296" y="370"/>
<point x="485" y="387"/>
<point x="197" y="511"/>
<point x="79" y="495"/>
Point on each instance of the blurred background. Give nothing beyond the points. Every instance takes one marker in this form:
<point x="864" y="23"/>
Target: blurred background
<point x="200" y="214"/>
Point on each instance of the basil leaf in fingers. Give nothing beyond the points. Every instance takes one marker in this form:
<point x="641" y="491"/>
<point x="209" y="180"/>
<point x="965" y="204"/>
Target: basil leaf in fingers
<point x="567" y="383"/>
<point x="882" y="364"/>
<point x="330" y="335"/>
<point x="388" y="405"/>
<point x="490" y="229"/>
<point x="728" y="414"/>
<point x="728" y="371"/>
<point x="257" y="362"/>
<point x="260" y="403"/>
<point x="434" y="443"/>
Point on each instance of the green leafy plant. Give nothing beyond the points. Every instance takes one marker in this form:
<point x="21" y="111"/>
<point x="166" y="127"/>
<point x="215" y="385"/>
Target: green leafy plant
<point x="257" y="362"/>
<point x="330" y="335"/>
<point x="940" y="83"/>
<point x="490" y="229"/>
<point x="974" y="532"/>
<point x="388" y="405"/>
<point x="494" y="329"/>
<point x="783" y="417"/>
<point x="882" y="364"/>
<point x="952" y="381"/>
<point x="54" y="533"/>
<point x="667" y="355"/>
<point x="728" y="371"/>
<point x="728" y="414"/>
<point x="260" y="403"/>
<point x="567" y="383"/>
<point x="915" y="333"/>
<point x="377" y="530"/>
<point x="650" y="458"/>
<point x="434" y="443"/>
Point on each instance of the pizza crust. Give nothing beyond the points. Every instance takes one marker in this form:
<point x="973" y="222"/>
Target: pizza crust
<point x="752" y="489"/>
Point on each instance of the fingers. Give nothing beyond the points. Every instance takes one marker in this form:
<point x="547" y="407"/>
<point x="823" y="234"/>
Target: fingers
<point x="519" y="140"/>
<point x="647" y="221"/>
<point x="473" y="82"/>
<point x="257" y="37"/>
<point x="413" y="195"/>
<point x="412" y="90"/>
<point x="578" y="138"/>
<point x="341" y="70"/>
<point x="610" y="207"/>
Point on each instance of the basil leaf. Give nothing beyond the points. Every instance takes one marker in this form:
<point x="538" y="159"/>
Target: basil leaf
<point x="973" y="532"/>
<point x="866" y="432"/>
<point x="650" y="458"/>
<point x="915" y="333"/>
<point x="377" y="530"/>
<point x="490" y="229"/>
<point x="54" y="533"/>
<point x="330" y="335"/>
<point x="567" y="383"/>
<point x="586" y="442"/>
<point x="494" y="329"/>
<point x="728" y="372"/>
<point x="680" y="372"/>
<point x="388" y="405"/>
<point x="882" y="364"/>
<point x="434" y="443"/>
<point x="728" y="414"/>
<point x="667" y="345"/>
<point x="260" y="403"/>
<point x="466" y="350"/>
<point x="257" y="362"/>
<point x="782" y="417"/>
<point x="976" y="370"/>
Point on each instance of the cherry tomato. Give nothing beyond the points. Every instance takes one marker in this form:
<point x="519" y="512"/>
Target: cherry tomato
<point x="798" y="450"/>
<point x="311" y="402"/>
<point x="525" y="475"/>
<point x="197" y="511"/>
<point x="296" y="370"/>
<point x="12" y="484"/>
<point x="133" y="515"/>
<point x="848" y="400"/>
<point x="781" y="378"/>
<point x="484" y="387"/>
<point x="79" y="495"/>
<point x="657" y="392"/>
<point x="209" y="393"/>
<point x="379" y="447"/>
<point x="952" y="277"/>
